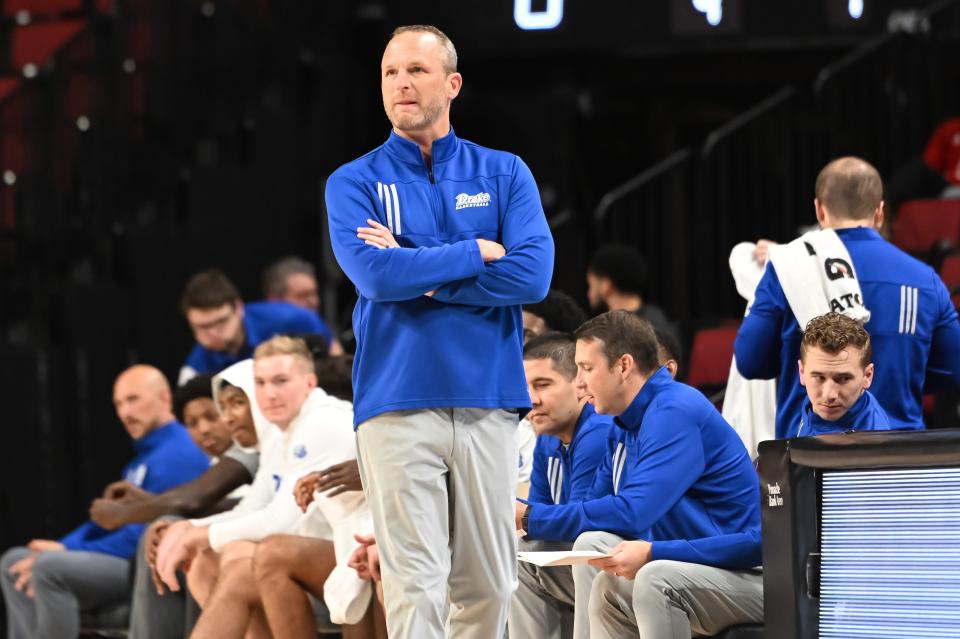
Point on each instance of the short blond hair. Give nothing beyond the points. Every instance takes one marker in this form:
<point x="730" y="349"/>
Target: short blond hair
<point x="286" y="345"/>
<point x="450" y="51"/>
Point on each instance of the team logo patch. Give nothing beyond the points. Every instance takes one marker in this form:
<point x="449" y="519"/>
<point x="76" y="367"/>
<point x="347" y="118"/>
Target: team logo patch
<point x="300" y="451"/>
<point x="465" y="201"/>
<point x="136" y="475"/>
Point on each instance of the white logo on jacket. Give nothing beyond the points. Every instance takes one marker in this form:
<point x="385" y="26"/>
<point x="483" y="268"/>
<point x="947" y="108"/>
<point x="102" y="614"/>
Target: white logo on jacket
<point x="465" y="201"/>
<point x="136" y="475"/>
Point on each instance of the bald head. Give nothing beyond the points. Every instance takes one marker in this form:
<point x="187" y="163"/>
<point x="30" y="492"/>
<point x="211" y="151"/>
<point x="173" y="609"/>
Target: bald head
<point x="141" y="396"/>
<point x="849" y="189"/>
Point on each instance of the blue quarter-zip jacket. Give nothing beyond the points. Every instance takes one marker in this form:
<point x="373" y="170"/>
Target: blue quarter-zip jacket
<point x="166" y="457"/>
<point x="913" y="328"/>
<point x="865" y="414"/>
<point x="261" y="321"/>
<point x="565" y="474"/>
<point x="462" y="347"/>
<point x="677" y="475"/>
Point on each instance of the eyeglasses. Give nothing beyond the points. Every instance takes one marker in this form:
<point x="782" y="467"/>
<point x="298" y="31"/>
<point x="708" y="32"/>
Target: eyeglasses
<point x="214" y="324"/>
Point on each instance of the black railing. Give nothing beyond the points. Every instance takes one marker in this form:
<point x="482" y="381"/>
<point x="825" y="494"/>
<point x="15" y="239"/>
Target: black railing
<point x="649" y="211"/>
<point x="753" y="177"/>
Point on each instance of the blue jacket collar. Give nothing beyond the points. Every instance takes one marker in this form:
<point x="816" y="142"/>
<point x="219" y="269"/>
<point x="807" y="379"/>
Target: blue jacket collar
<point x="585" y="414"/>
<point x="155" y="437"/>
<point x="632" y="417"/>
<point x="818" y="424"/>
<point x="441" y="150"/>
<point x="860" y="233"/>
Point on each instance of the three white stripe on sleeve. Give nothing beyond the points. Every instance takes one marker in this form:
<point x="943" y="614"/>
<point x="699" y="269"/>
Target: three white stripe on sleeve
<point x="908" y="309"/>
<point x="555" y="478"/>
<point x="619" y="457"/>
<point x="391" y="203"/>
<point x="555" y="472"/>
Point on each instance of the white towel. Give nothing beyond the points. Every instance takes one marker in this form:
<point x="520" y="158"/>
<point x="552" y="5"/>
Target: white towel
<point x="817" y="276"/>
<point x="338" y="519"/>
<point x="749" y="405"/>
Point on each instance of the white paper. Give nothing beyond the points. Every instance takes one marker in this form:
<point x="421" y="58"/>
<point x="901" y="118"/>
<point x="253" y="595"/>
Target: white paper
<point x="559" y="557"/>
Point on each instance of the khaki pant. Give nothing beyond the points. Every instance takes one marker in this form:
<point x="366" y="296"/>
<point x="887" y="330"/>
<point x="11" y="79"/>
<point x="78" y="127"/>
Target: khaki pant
<point x="674" y="600"/>
<point x="441" y="485"/>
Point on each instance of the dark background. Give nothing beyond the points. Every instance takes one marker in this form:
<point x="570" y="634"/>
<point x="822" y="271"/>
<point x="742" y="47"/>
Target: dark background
<point x="212" y="126"/>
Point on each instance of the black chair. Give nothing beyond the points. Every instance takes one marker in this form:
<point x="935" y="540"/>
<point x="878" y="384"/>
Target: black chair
<point x="745" y="631"/>
<point x="109" y="622"/>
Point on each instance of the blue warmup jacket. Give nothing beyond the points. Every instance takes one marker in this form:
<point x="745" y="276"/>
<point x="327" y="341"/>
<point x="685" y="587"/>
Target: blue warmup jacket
<point x="166" y="457"/>
<point x="865" y="414"/>
<point x="561" y="475"/>
<point x="913" y="328"/>
<point x="261" y="321"/>
<point x="677" y="475"/>
<point x="463" y="346"/>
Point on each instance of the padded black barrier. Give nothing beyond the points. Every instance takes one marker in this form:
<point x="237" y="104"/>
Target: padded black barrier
<point x="790" y="509"/>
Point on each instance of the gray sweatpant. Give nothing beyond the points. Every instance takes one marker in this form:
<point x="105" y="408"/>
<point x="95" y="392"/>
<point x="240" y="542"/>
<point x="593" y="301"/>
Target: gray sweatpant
<point x="65" y="583"/>
<point x="674" y="600"/>
<point x="542" y="606"/>
<point x="583" y="576"/>
<point x="441" y="484"/>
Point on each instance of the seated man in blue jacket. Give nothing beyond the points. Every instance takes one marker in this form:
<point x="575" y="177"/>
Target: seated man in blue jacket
<point x="49" y="583"/>
<point x="571" y="440"/>
<point x="682" y="486"/>
<point x="836" y="370"/>
<point x="227" y="330"/>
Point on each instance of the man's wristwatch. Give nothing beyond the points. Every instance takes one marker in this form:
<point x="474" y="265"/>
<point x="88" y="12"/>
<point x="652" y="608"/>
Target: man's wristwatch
<point x="524" y="520"/>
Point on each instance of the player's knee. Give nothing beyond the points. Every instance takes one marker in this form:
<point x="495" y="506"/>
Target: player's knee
<point x="603" y="585"/>
<point x="652" y="583"/>
<point x="592" y="540"/>
<point x="12" y="556"/>
<point x="45" y="568"/>
<point x="270" y="557"/>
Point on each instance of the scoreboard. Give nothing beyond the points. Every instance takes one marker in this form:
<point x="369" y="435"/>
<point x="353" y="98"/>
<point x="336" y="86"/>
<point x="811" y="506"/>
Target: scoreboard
<point x="624" y="26"/>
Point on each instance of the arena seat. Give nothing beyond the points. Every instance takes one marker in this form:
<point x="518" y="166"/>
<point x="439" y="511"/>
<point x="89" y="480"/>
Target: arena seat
<point x="36" y="43"/>
<point x="44" y="8"/>
<point x="8" y="84"/>
<point x="711" y="354"/>
<point x="923" y="225"/>
<point x="107" y="622"/>
<point x="950" y="271"/>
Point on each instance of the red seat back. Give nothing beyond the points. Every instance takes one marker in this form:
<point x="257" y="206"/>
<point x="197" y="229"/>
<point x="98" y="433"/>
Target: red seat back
<point x="711" y="355"/>
<point x="35" y="43"/>
<point x="950" y="271"/>
<point x="42" y="7"/>
<point x="924" y="224"/>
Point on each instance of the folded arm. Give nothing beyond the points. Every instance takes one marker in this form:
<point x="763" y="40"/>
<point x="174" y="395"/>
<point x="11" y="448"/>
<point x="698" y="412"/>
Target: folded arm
<point x="391" y="275"/>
